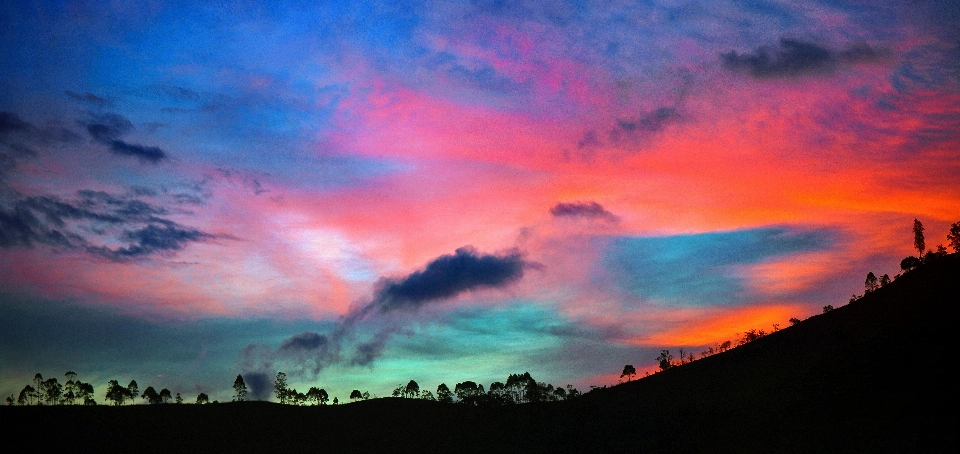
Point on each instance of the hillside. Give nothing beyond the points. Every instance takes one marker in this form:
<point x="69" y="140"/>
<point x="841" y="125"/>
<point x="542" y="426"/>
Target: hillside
<point x="872" y="376"/>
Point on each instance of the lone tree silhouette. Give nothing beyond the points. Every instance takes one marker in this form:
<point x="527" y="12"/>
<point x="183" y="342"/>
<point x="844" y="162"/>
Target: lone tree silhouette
<point x="412" y="389"/>
<point x="918" y="237"/>
<point x="628" y="371"/>
<point x="871" y="283"/>
<point x="443" y="394"/>
<point x="355" y="394"/>
<point x="240" y="389"/>
<point x="202" y="398"/>
<point x="280" y="387"/>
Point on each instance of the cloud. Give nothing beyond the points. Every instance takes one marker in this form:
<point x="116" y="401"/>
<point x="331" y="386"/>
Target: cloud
<point x="306" y="341"/>
<point x="650" y="122"/>
<point x="108" y="128"/>
<point x="446" y="277"/>
<point x="96" y="222"/>
<point x="259" y="385"/>
<point x="443" y="278"/>
<point x="590" y="210"/>
<point x="796" y="58"/>
<point x="89" y="98"/>
<point x="633" y="130"/>
<point x="701" y="268"/>
<point x="152" y="154"/>
<point x="11" y="123"/>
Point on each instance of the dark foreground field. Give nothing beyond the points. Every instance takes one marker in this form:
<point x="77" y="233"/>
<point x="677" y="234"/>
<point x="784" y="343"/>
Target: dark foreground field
<point x="873" y="376"/>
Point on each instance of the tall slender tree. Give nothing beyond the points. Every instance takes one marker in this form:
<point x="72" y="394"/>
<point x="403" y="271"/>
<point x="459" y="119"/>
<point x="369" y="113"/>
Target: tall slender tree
<point x="133" y="389"/>
<point x="280" y="387"/>
<point x="918" y="237"/>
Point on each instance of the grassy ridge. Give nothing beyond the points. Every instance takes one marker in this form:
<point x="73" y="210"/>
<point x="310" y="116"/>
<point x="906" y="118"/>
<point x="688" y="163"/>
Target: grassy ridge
<point x="872" y="376"/>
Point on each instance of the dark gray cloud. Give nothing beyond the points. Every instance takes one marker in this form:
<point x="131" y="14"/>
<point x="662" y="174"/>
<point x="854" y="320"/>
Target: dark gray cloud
<point x="95" y="221"/>
<point x="633" y="130"/>
<point x="305" y="341"/>
<point x="650" y="122"/>
<point x="792" y="58"/>
<point x="447" y="276"/>
<point x="259" y="385"/>
<point x="590" y="210"/>
<point x="108" y="128"/>
<point x="144" y="153"/>
<point x="89" y="99"/>
<point x="11" y="122"/>
<point x="382" y="317"/>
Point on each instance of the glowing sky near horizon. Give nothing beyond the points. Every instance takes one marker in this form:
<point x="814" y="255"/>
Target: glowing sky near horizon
<point x="363" y="193"/>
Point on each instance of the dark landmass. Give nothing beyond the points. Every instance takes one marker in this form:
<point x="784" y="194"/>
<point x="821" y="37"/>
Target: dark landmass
<point x="871" y="376"/>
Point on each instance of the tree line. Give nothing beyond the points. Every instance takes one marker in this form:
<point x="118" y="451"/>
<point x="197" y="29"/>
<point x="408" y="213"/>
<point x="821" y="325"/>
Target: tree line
<point x="519" y="388"/>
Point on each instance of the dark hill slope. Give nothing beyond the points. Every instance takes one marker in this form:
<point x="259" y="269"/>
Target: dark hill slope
<point x="873" y="376"/>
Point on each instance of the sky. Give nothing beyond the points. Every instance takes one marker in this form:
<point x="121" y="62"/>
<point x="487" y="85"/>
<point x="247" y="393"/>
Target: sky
<point x="363" y="193"/>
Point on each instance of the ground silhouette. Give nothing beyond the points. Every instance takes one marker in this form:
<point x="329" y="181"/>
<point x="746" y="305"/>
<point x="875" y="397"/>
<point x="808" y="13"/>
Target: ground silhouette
<point x="871" y="376"/>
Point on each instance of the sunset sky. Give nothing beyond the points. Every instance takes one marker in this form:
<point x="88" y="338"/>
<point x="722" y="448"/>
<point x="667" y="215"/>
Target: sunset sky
<point x="364" y="193"/>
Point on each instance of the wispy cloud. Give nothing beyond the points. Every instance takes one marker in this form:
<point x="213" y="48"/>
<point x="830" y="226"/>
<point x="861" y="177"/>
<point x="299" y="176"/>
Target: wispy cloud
<point x="792" y="58"/>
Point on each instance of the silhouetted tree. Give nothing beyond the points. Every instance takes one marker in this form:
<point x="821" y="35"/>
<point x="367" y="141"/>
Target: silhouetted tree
<point x="827" y="308"/>
<point x="202" y="399"/>
<point x="425" y="394"/>
<point x="26" y="395"/>
<point x="38" y="387"/>
<point x="314" y="394"/>
<point x="411" y="390"/>
<point x="117" y="393"/>
<point x="560" y="393"/>
<point x="953" y="236"/>
<point x="297" y="397"/>
<point x="151" y="396"/>
<point x="909" y="263"/>
<point x="10" y="400"/>
<point x="165" y="396"/>
<point x="870" y="284"/>
<point x="918" y="237"/>
<point x="85" y="392"/>
<point x="467" y="392"/>
<point x="70" y="388"/>
<point x="572" y="392"/>
<point x="179" y="399"/>
<point x="52" y="390"/>
<point x="239" y="389"/>
<point x="355" y="394"/>
<point x="443" y="394"/>
<point x="132" y="389"/>
<point x="280" y="387"/>
<point x="336" y="401"/>
<point x="665" y="359"/>
<point x="398" y="391"/>
<point x="932" y="256"/>
<point x="884" y="280"/>
<point x="628" y="371"/>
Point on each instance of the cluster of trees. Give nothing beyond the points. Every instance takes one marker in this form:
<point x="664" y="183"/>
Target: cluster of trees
<point x="288" y="395"/>
<point x="51" y="392"/>
<point x="519" y="388"/>
<point x="120" y="394"/>
<point x="919" y="243"/>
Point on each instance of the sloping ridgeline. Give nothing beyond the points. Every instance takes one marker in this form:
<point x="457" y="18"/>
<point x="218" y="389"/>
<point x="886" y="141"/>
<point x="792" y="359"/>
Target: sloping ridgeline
<point x="872" y="376"/>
